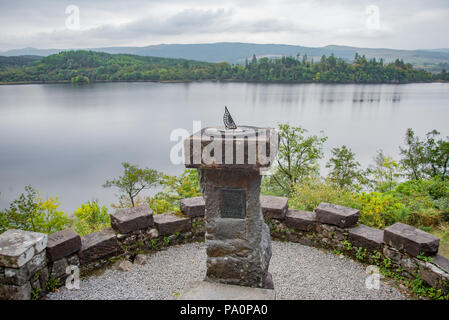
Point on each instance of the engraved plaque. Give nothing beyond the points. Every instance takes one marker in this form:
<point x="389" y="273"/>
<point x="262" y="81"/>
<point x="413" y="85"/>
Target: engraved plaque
<point x="233" y="203"/>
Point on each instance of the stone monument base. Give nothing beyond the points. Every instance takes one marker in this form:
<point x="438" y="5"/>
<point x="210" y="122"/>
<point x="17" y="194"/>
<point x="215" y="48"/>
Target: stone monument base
<point x="204" y="290"/>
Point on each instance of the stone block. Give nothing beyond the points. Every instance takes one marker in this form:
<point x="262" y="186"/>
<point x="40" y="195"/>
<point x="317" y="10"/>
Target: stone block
<point x="73" y="260"/>
<point x="366" y="237"/>
<point x="193" y="207"/>
<point x="336" y="215"/>
<point x="413" y="241"/>
<point x="58" y="268"/>
<point x="17" y="247"/>
<point x="12" y="292"/>
<point x="236" y="247"/>
<point x="19" y="276"/>
<point x="97" y="245"/>
<point x="301" y="220"/>
<point x="230" y="229"/>
<point x="393" y="254"/>
<point x="274" y="207"/>
<point x="131" y="219"/>
<point x="433" y="275"/>
<point x="441" y="262"/>
<point x="169" y="223"/>
<point x="62" y="244"/>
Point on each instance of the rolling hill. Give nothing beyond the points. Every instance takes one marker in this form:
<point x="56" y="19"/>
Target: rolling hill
<point x="236" y="53"/>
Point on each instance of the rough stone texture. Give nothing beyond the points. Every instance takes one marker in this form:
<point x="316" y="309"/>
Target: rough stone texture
<point x="62" y="244"/>
<point x="58" y="268"/>
<point x="12" y="292"/>
<point x="366" y="237"/>
<point x="193" y="207"/>
<point x="22" y="275"/>
<point x="336" y="215"/>
<point x="412" y="240"/>
<point x="441" y="262"/>
<point x="17" y="247"/>
<point x="43" y="277"/>
<point x="301" y="220"/>
<point x="274" y="207"/>
<point x="169" y="223"/>
<point x="226" y="149"/>
<point x="131" y="219"/>
<point x="394" y="255"/>
<point x="97" y="245"/>
<point x="73" y="260"/>
<point x="239" y="250"/>
<point x="140" y="259"/>
<point x="203" y="290"/>
<point x="153" y="233"/>
<point x="433" y="275"/>
<point x="123" y="265"/>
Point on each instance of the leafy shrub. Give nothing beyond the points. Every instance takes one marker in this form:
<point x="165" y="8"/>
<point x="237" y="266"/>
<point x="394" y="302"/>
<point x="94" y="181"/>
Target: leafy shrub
<point x="175" y="188"/>
<point x="380" y="209"/>
<point x="31" y="212"/>
<point x="90" y="217"/>
<point x="307" y="195"/>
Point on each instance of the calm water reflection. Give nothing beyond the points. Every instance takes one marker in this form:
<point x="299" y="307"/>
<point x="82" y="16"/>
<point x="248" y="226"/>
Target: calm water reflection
<point x="67" y="140"/>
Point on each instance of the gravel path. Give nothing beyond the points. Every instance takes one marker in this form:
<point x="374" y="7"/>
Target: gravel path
<point x="299" y="272"/>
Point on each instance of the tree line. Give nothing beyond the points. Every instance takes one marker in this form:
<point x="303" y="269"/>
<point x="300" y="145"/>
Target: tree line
<point x="87" y="66"/>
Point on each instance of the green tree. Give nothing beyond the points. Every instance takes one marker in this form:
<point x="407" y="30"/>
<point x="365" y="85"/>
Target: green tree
<point x="297" y="157"/>
<point x="31" y="212"/>
<point x="344" y="170"/>
<point x="437" y="155"/>
<point x="175" y="188"/>
<point x="425" y="158"/>
<point x="133" y="181"/>
<point x="413" y="155"/>
<point x="385" y="172"/>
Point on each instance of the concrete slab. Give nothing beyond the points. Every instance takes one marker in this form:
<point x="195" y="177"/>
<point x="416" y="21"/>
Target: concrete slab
<point x="203" y="290"/>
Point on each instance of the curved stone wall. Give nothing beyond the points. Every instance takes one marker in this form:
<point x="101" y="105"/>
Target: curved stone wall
<point x="33" y="263"/>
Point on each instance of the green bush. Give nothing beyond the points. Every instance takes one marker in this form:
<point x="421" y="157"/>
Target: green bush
<point x="80" y="80"/>
<point x="31" y="212"/>
<point x="90" y="217"/>
<point x="175" y="188"/>
<point x="307" y="195"/>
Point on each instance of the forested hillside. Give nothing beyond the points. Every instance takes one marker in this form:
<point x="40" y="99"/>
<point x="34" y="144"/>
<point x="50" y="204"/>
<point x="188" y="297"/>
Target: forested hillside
<point x="89" y="66"/>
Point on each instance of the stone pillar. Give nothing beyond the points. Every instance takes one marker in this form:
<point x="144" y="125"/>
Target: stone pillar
<point x="22" y="264"/>
<point x="229" y="164"/>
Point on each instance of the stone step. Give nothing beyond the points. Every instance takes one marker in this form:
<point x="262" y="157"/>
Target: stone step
<point x="366" y="237"/>
<point x="169" y="223"/>
<point x="336" y="215"/>
<point x="412" y="240"/>
<point x="203" y="290"/>
<point x="274" y="207"/>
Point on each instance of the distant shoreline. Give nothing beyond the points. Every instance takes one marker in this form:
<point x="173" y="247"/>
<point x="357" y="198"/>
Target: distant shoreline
<point x="209" y="80"/>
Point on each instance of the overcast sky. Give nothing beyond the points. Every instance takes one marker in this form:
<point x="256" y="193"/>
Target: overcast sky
<point x="400" y="24"/>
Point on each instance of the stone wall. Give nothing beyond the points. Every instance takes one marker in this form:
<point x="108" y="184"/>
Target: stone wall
<point x="33" y="263"/>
